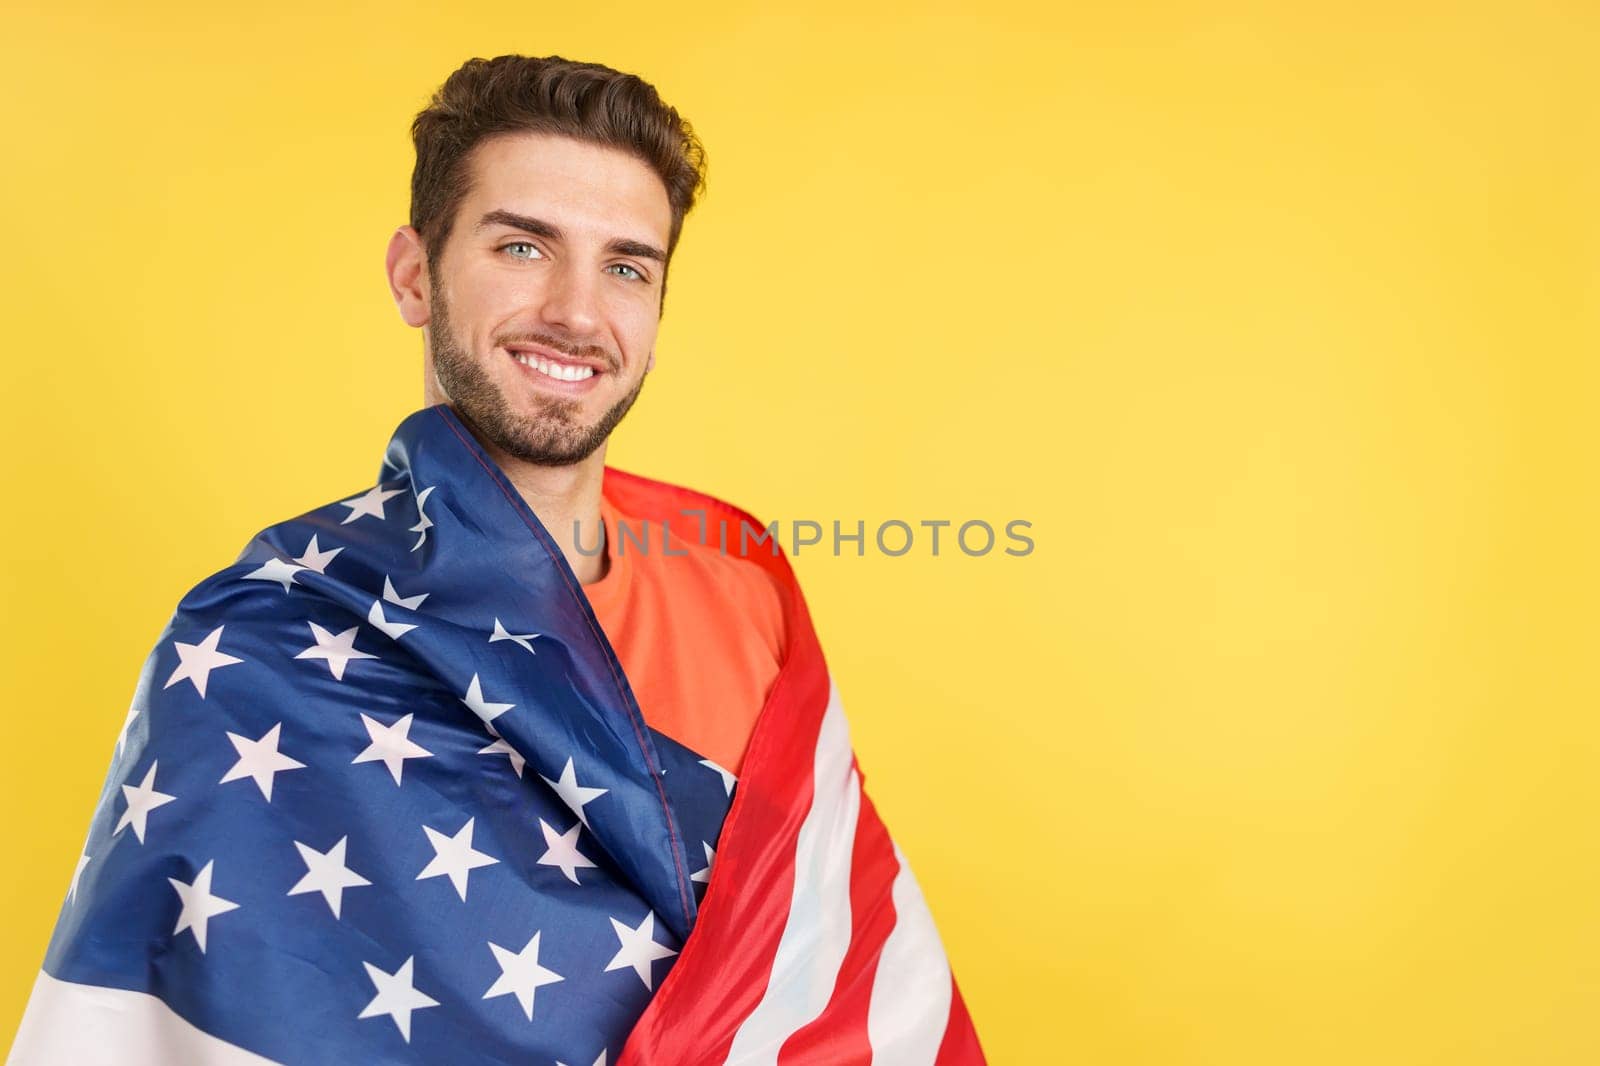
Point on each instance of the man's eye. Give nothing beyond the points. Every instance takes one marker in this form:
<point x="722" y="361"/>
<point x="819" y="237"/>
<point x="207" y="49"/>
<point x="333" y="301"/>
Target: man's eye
<point x="519" y="244"/>
<point x="631" y="271"/>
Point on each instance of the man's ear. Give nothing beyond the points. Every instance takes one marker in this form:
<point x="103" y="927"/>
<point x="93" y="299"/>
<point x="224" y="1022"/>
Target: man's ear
<point x="650" y="363"/>
<point x="406" y="264"/>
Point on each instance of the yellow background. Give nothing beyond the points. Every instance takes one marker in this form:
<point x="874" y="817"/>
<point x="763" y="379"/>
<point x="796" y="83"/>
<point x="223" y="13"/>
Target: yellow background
<point x="1277" y="323"/>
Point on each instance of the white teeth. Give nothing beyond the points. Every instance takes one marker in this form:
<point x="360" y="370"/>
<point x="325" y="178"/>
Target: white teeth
<point x="555" y="370"/>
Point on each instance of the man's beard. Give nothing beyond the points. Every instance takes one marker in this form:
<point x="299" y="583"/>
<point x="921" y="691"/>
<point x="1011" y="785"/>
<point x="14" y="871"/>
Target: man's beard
<point x="554" y="437"/>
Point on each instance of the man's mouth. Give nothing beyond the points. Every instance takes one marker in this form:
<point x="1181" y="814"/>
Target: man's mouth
<point x="551" y="368"/>
<point x="556" y="370"/>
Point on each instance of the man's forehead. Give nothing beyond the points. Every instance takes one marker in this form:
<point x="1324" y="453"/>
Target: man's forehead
<point x="587" y="185"/>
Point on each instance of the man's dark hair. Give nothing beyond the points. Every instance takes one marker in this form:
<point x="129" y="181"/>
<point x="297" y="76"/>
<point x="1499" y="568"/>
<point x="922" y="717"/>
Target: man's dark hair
<point x="545" y="94"/>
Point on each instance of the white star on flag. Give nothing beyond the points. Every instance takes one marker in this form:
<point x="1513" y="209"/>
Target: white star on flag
<point x="422" y="527"/>
<point x="705" y="874"/>
<point x="454" y="857"/>
<point x="520" y="974"/>
<point x="327" y="873"/>
<point x="260" y="760"/>
<point x="481" y="707"/>
<point x="199" y="905"/>
<point x="639" y="948"/>
<point x="142" y="799"/>
<point x="410" y="603"/>
<point x="397" y="996"/>
<point x="196" y="661"/>
<point x="563" y="851"/>
<point x="573" y="794"/>
<point x="337" y="650"/>
<point x="368" y="503"/>
<point x="501" y="633"/>
<point x="727" y="775"/>
<point x="500" y="747"/>
<point x="72" y="890"/>
<point x="275" y="570"/>
<point x="392" y="745"/>
<point x="392" y="630"/>
<point x="122" y="737"/>
<point x="314" y="559"/>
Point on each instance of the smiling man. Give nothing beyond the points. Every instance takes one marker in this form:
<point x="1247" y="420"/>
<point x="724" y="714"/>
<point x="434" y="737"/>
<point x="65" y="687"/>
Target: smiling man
<point x="458" y="769"/>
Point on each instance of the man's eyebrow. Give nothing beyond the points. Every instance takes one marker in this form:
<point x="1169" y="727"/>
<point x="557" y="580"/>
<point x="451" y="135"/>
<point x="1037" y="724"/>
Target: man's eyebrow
<point x="537" y="227"/>
<point x="637" y="249"/>
<point x="540" y="228"/>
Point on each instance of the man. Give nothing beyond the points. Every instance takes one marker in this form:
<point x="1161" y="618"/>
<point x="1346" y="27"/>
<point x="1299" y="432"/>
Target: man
<point x="441" y="772"/>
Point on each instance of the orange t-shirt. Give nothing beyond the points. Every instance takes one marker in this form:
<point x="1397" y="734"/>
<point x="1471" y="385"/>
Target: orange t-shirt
<point x="700" y="635"/>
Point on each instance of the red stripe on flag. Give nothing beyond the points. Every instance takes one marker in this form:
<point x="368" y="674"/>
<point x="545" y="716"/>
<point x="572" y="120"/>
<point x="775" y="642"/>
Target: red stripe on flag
<point x="726" y="963"/>
<point x="725" y="966"/>
<point x="960" y="1046"/>
<point x="839" y="1033"/>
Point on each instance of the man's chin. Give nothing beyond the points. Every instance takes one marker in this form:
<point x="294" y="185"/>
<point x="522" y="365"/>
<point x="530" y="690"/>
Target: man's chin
<point x="547" y="452"/>
<point x="527" y="440"/>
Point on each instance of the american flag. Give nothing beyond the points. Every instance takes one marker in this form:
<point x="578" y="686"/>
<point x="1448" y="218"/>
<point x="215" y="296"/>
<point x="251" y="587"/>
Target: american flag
<point x="384" y="795"/>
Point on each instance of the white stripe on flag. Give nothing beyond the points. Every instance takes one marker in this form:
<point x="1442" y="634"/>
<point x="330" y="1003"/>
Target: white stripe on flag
<point x="911" y="991"/>
<point x="817" y="932"/>
<point x="87" y="1025"/>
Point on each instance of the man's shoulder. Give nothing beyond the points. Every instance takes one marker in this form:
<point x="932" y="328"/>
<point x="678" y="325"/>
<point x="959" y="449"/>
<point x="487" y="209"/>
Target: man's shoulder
<point x="355" y="532"/>
<point x="716" y="549"/>
<point x="717" y="522"/>
<point x="721" y="536"/>
<point x="325" y="590"/>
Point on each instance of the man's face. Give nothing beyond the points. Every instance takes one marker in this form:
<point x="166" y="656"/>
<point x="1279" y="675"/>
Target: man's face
<point x="556" y="258"/>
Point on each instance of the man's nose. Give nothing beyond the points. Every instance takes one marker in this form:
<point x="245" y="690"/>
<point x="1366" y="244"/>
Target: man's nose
<point x="572" y="299"/>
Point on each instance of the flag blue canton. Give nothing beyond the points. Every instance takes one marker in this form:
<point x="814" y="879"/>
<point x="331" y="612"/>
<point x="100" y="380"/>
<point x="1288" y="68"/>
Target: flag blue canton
<point x="384" y="794"/>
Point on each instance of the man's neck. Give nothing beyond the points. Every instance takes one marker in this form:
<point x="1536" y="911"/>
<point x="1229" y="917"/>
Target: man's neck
<point x="567" y="501"/>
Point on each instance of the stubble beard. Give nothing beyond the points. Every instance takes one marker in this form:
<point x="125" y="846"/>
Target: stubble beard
<point x="553" y="437"/>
